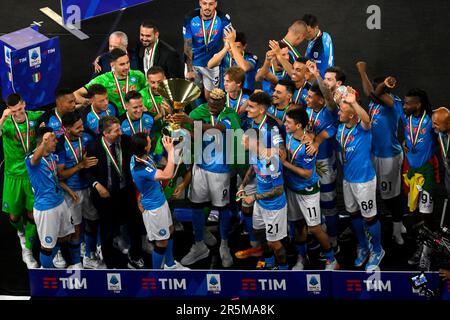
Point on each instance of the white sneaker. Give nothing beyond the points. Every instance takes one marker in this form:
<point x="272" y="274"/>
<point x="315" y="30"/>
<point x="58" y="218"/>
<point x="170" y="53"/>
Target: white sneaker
<point x="22" y="239"/>
<point x="198" y="251"/>
<point x="27" y="257"/>
<point x="209" y="238"/>
<point x="58" y="261"/>
<point x="300" y="264"/>
<point x="332" y="265"/>
<point x="93" y="263"/>
<point x="77" y="266"/>
<point x="99" y="253"/>
<point x="213" y="216"/>
<point x="176" y="266"/>
<point x="225" y="255"/>
<point x="83" y="249"/>
<point x="147" y="246"/>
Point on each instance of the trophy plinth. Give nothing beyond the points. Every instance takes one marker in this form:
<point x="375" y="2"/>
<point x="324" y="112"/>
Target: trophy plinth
<point x="179" y="93"/>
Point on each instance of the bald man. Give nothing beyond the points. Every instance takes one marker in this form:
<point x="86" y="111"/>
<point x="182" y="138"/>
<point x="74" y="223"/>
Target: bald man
<point x="293" y="38"/>
<point x="441" y="124"/>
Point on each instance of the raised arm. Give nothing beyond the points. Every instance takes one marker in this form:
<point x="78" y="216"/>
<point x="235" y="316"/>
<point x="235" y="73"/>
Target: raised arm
<point x="366" y="84"/>
<point x="381" y="94"/>
<point x="218" y="57"/>
<point x="167" y="173"/>
<point x="230" y="37"/>
<point x="350" y="98"/>
<point x="327" y="94"/>
<point x="285" y="63"/>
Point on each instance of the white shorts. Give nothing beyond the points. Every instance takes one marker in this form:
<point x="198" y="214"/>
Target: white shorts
<point x="302" y="206"/>
<point x="274" y="221"/>
<point x="208" y="77"/>
<point x="389" y="175"/>
<point x="426" y="203"/>
<point x="209" y="186"/>
<point x="249" y="189"/>
<point x="157" y="222"/>
<point x="361" y="196"/>
<point x="82" y="208"/>
<point x="53" y="224"/>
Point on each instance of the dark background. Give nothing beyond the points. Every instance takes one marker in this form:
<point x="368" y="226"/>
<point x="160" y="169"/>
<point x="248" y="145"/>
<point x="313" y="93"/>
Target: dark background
<point x="412" y="45"/>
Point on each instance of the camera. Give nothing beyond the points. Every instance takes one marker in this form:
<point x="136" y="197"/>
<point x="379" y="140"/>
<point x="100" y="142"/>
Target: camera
<point x="420" y="283"/>
<point x="438" y="241"/>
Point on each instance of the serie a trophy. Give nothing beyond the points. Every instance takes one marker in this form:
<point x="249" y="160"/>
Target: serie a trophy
<point x="179" y="93"/>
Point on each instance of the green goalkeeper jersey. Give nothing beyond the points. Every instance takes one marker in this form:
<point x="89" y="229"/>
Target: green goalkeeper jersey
<point x="150" y="100"/>
<point x="136" y="81"/>
<point x="13" y="146"/>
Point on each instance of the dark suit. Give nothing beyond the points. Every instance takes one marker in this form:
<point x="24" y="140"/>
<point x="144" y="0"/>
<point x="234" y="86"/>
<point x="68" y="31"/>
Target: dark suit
<point x="165" y="57"/>
<point x="120" y="208"/>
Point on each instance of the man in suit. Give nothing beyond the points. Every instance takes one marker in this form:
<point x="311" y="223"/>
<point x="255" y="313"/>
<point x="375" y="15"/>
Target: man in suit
<point x="113" y="193"/>
<point x="152" y="51"/>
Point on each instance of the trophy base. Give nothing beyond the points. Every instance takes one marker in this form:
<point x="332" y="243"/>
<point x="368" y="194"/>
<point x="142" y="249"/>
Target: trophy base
<point x="177" y="134"/>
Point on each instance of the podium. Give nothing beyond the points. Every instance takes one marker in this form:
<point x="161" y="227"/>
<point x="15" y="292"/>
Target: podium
<point x="31" y="66"/>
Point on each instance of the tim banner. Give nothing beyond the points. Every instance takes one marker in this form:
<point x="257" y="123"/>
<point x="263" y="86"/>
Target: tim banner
<point x="224" y="284"/>
<point x="92" y="8"/>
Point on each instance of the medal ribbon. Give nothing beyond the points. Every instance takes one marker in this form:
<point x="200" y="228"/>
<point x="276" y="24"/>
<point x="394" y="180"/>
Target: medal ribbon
<point x="26" y="143"/>
<point x="78" y="156"/>
<point x="294" y="154"/>
<point x="153" y="100"/>
<point x="122" y="100"/>
<point x="262" y="122"/>
<point x="130" y="122"/>
<point x="237" y="106"/>
<point x="291" y="48"/>
<point x="117" y="164"/>
<point x="207" y="33"/>
<point x="444" y="147"/>
<point x="415" y="138"/>
<point x="55" y="173"/>
<point x="151" y="54"/>
<point x="313" y="123"/>
<point x="344" y="139"/>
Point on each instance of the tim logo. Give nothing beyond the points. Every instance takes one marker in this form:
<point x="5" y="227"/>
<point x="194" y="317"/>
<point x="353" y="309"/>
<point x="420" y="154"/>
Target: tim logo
<point x="163" y="284"/>
<point x="34" y="56"/>
<point x="213" y="283"/>
<point x="263" y="284"/>
<point x="353" y="285"/>
<point x="73" y="283"/>
<point x="377" y="285"/>
<point x="50" y="283"/>
<point x="313" y="283"/>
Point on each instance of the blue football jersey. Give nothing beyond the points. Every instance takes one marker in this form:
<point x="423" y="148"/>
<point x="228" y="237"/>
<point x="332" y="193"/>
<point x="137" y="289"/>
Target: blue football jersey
<point x="143" y="173"/>
<point x="324" y="120"/>
<point x="55" y="122"/>
<point x="228" y="62"/>
<point x="233" y="104"/>
<point x="70" y="153"/>
<point x="385" y="120"/>
<point x="356" y="155"/>
<point x="299" y="96"/>
<point x="44" y="180"/>
<point x="270" y="131"/>
<point x="198" y="30"/>
<point x="320" y="50"/>
<point x="145" y="124"/>
<point x="422" y="150"/>
<point x="268" y="176"/>
<point x="298" y="156"/>
<point x="268" y="87"/>
<point x="91" y="119"/>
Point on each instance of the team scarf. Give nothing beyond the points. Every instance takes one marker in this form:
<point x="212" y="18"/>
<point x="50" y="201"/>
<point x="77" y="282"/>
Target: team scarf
<point x="237" y="106"/>
<point x="415" y="138"/>
<point x="444" y="146"/>
<point x="344" y="140"/>
<point x="291" y="48"/>
<point x="294" y="154"/>
<point x="130" y="122"/>
<point x="152" y="97"/>
<point x="121" y="96"/>
<point x="78" y="156"/>
<point x="208" y="33"/>
<point x="26" y="143"/>
<point x="116" y="163"/>
<point x="151" y="54"/>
